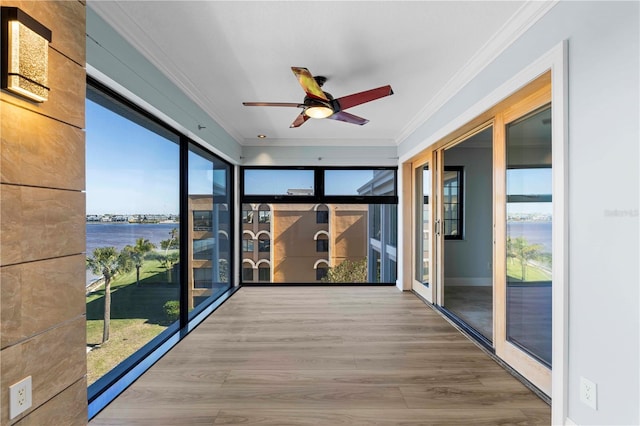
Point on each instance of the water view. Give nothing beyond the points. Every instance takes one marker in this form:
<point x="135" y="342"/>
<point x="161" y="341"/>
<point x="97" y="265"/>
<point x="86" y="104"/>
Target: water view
<point x="119" y="235"/>
<point x="536" y="232"/>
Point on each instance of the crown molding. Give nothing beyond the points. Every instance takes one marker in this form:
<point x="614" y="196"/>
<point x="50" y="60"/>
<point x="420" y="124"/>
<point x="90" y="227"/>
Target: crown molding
<point x="520" y="22"/>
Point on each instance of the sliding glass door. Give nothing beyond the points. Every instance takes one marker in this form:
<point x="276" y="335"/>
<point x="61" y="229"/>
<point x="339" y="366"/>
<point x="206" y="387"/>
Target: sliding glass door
<point x="526" y="217"/>
<point x="467" y="228"/>
<point x="482" y="225"/>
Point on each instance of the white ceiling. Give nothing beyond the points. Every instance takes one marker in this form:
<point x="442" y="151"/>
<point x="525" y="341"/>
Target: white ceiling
<point x="221" y="53"/>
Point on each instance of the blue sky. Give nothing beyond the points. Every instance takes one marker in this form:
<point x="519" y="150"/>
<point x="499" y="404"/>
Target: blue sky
<point x="337" y="182"/>
<point x="129" y="168"/>
<point x="269" y="182"/>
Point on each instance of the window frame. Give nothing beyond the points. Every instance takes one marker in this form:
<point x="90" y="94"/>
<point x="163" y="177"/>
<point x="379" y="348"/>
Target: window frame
<point x="247" y="216"/>
<point x="110" y="385"/>
<point x="264" y="218"/>
<point x="319" y="196"/>
<point x="459" y="205"/>
<point x="248" y="242"/>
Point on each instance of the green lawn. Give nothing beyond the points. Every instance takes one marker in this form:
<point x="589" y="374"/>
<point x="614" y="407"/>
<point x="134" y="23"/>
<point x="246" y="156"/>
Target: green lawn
<point x="137" y="316"/>
<point x="532" y="272"/>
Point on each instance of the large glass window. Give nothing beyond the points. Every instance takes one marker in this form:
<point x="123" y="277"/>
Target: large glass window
<point x="360" y="182"/>
<point x="132" y="196"/>
<point x="358" y="222"/>
<point x="529" y="217"/>
<point x="291" y="182"/>
<point x="202" y="277"/>
<point x="149" y="243"/>
<point x="209" y="183"/>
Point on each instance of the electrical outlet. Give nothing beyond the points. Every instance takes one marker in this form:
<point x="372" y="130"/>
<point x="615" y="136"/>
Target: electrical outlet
<point x="588" y="393"/>
<point x="19" y="397"/>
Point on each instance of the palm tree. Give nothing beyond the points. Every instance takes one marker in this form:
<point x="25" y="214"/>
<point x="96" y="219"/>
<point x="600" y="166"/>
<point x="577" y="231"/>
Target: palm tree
<point x="170" y="259"/>
<point x="137" y="254"/>
<point x="107" y="261"/>
<point x="520" y="249"/>
<point x="167" y="261"/>
<point x="171" y="243"/>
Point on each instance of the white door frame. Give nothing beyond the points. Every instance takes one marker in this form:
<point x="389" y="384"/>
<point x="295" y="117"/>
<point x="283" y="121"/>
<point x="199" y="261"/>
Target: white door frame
<point x="554" y="61"/>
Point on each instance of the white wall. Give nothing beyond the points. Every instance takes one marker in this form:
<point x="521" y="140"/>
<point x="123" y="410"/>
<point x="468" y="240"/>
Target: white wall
<point x="603" y="158"/>
<point x="319" y="156"/>
<point x="471" y="258"/>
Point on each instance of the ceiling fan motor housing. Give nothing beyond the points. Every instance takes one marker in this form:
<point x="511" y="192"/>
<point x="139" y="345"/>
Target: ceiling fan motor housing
<point x="314" y="102"/>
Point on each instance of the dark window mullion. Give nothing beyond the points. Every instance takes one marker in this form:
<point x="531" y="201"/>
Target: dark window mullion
<point x="184" y="232"/>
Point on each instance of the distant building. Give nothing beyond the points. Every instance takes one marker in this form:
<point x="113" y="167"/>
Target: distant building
<point x="297" y="243"/>
<point x="209" y="248"/>
<point x="381" y="228"/>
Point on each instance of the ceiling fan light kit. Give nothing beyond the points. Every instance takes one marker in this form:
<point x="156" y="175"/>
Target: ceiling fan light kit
<point x="318" y="111"/>
<point x="319" y="104"/>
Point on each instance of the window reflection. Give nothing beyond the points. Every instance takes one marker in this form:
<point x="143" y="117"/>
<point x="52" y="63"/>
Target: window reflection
<point x="208" y="203"/>
<point x="529" y="221"/>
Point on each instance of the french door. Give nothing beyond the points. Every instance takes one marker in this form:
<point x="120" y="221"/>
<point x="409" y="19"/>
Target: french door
<point x="482" y="209"/>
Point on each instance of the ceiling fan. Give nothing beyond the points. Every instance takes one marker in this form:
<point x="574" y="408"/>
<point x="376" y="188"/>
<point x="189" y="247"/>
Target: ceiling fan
<point x="320" y="104"/>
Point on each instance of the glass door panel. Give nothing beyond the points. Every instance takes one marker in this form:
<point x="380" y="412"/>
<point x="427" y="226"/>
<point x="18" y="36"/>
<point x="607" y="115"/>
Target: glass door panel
<point x="422" y="259"/>
<point x="528" y="234"/>
<point x="467" y="227"/>
<point x="422" y="274"/>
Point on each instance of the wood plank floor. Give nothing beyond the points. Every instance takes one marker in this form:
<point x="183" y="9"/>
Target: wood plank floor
<point x="325" y="356"/>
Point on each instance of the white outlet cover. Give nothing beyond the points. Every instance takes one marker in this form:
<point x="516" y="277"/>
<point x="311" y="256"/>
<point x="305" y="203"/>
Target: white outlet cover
<point x="19" y="397"/>
<point x="588" y="393"/>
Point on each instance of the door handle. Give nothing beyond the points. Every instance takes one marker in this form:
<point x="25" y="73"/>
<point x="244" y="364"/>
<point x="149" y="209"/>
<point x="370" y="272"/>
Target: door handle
<point x="437" y="227"/>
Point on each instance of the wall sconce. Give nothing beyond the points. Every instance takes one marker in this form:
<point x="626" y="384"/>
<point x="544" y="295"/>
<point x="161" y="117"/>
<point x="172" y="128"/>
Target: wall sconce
<point x="25" y="55"/>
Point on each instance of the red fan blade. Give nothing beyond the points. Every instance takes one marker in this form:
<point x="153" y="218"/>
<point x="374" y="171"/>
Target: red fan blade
<point x="348" y="118"/>
<point x="309" y="84"/>
<point x="299" y="121"/>
<point x="275" y="104"/>
<point x="362" y="97"/>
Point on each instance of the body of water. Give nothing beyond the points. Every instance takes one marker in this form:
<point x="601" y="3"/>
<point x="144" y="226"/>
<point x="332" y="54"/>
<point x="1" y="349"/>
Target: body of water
<point x="534" y="232"/>
<point x="119" y="235"/>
